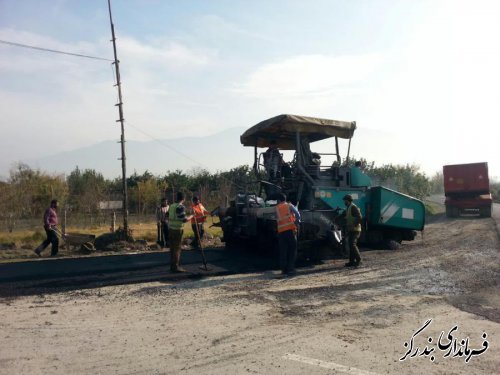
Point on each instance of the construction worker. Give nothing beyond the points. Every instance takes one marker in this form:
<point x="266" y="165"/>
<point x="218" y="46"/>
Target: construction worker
<point x="199" y="217"/>
<point x="162" y="222"/>
<point x="353" y="218"/>
<point x="288" y="219"/>
<point x="50" y="226"/>
<point x="177" y="218"/>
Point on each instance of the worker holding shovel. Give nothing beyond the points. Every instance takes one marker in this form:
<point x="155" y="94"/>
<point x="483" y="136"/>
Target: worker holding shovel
<point x="199" y="217"/>
<point x="50" y="226"/>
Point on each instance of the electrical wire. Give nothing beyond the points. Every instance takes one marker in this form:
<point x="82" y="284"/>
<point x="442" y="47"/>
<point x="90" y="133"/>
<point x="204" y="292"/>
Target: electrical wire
<point x="53" y="51"/>
<point x="180" y="153"/>
<point x="168" y="146"/>
<point x="114" y="79"/>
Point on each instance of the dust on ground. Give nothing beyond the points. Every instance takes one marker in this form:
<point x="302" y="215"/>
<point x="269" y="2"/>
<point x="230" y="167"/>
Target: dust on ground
<point x="326" y="320"/>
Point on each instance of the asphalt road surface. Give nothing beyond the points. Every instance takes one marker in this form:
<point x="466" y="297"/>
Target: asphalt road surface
<point x="327" y="320"/>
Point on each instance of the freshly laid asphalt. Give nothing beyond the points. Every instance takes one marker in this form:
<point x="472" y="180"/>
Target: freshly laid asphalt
<point x="48" y="275"/>
<point x="60" y="267"/>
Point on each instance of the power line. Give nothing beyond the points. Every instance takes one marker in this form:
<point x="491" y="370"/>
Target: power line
<point x="168" y="146"/>
<point x="53" y="50"/>
<point x="180" y="153"/>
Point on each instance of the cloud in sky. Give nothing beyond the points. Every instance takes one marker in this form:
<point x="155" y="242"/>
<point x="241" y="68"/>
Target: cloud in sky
<point x="420" y="72"/>
<point x="166" y="53"/>
<point x="309" y="75"/>
<point x="46" y="96"/>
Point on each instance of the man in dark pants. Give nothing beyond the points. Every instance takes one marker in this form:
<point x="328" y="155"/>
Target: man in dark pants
<point x="162" y="222"/>
<point x="199" y="217"/>
<point x="353" y="219"/>
<point x="288" y="219"/>
<point x="177" y="218"/>
<point x="50" y="224"/>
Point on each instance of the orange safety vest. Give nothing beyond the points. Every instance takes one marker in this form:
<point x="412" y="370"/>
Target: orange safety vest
<point x="285" y="217"/>
<point x="199" y="214"/>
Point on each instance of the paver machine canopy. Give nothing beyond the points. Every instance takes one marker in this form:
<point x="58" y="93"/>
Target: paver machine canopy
<point x="284" y="128"/>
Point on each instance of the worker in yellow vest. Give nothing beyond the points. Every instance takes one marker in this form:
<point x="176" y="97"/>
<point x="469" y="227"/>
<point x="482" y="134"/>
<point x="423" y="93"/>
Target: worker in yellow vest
<point x="177" y="218"/>
<point x="199" y="217"/>
<point x="288" y="219"/>
<point x="353" y="219"/>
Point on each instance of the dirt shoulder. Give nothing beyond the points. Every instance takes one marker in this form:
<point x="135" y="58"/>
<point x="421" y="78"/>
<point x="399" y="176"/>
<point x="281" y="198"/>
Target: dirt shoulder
<point x="326" y="320"/>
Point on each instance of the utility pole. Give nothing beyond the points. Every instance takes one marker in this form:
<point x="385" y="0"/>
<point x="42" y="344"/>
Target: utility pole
<point x="121" y="120"/>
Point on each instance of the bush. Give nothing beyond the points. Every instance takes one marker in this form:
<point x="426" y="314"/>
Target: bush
<point x="432" y="208"/>
<point x="36" y="236"/>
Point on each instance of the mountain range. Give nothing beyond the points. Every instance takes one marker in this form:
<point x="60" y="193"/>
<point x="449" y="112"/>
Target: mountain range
<point x="218" y="152"/>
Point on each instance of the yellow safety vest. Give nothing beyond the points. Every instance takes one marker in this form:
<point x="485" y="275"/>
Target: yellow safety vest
<point x="174" y="222"/>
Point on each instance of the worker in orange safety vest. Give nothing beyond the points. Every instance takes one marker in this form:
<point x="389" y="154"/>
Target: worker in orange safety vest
<point x="288" y="220"/>
<point x="199" y="217"/>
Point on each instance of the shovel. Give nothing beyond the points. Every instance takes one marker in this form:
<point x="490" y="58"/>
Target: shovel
<point x="201" y="246"/>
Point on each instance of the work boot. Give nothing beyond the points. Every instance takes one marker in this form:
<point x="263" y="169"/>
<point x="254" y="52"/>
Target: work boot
<point x="37" y="252"/>
<point x="350" y="264"/>
<point x="357" y="264"/>
<point x="177" y="269"/>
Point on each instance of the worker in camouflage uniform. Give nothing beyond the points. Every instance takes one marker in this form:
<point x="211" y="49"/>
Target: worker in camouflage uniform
<point x="353" y="219"/>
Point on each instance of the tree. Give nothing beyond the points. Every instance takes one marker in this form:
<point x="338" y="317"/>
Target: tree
<point x="176" y="181"/>
<point x="437" y="183"/>
<point x="148" y="195"/>
<point x="86" y="189"/>
<point x="403" y="178"/>
<point x="31" y="191"/>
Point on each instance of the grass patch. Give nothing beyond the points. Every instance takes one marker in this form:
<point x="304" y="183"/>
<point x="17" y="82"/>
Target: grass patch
<point x="432" y="208"/>
<point x="19" y="245"/>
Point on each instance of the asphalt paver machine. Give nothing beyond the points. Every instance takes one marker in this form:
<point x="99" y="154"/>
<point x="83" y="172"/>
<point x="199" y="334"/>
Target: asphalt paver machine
<point x="316" y="188"/>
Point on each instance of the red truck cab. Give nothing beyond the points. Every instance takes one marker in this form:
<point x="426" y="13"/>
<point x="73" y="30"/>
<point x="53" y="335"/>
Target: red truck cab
<point x="467" y="189"/>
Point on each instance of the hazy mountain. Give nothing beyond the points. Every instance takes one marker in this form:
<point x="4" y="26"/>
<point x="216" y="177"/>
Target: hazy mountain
<point x="220" y="151"/>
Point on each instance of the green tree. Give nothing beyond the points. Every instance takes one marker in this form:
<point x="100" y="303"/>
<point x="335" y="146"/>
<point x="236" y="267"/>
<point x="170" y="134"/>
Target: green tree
<point x="148" y="194"/>
<point x="31" y="191"/>
<point x="176" y="181"/>
<point x="437" y="183"/>
<point x="86" y="189"/>
<point x="406" y="179"/>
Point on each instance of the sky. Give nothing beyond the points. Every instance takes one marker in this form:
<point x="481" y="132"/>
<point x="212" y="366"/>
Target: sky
<point x="420" y="78"/>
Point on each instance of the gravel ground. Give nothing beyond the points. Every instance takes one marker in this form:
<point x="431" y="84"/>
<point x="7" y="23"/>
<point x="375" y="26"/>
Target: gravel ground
<point x="327" y="320"/>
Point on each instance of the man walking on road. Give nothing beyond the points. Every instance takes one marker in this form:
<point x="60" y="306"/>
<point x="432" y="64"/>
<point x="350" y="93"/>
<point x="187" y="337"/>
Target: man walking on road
<point x="353" y="218"/>
<point x="50" y="226"/>
<point x="288" y="218"/>
<point x="177" y="218"/>
<point x="199" y="217"/>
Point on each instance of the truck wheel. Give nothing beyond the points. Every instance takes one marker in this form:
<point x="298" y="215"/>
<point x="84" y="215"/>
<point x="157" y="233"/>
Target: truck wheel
<point x="452" y="211"/>
<point x="229" y="239"/>
<point x="448" y="211"/>
<point x="485" y="212"/>
<point x="391" y="244"/>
